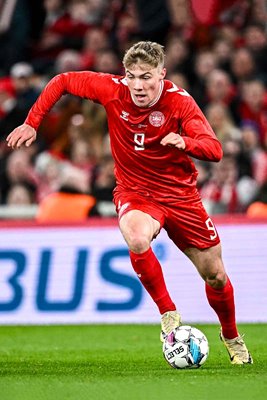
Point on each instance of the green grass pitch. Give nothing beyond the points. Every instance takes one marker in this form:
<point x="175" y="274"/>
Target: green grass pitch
<point x="122" y="362"/>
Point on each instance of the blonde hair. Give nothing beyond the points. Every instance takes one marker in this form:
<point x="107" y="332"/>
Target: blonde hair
<point x="145" y="52"/>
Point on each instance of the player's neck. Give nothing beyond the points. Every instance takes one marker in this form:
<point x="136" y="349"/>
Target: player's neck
<point x="158" y="96"/>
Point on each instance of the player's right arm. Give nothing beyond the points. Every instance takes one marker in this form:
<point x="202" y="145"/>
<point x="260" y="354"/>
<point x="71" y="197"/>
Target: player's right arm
<point x="95" y="86"/>
<point x="23" y="134"/>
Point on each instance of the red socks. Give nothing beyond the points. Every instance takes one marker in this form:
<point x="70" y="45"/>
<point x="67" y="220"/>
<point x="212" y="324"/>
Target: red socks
<point x="149" y="272"/>
<point x="222" y="301"/>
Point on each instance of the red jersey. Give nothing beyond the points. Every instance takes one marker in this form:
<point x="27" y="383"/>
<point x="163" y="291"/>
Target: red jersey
<point x="142" y="164"/>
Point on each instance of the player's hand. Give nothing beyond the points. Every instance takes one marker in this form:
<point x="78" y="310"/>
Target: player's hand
<point x="173" y="139"/>
<point x="23" y="134"/>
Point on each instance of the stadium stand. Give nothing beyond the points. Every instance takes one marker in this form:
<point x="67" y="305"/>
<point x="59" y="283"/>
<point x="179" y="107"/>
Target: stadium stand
<point x="219" y="57"/>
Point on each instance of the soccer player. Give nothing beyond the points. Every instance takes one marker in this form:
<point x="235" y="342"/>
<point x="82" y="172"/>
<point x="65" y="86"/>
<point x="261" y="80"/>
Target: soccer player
<point x="154" y="128"/>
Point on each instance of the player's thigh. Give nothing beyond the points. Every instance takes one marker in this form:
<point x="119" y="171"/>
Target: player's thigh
<point x="188" y="225"/>
<point x="137" y="225"/>
<point x="128" y="201"/>
<point x="140" y="219"/>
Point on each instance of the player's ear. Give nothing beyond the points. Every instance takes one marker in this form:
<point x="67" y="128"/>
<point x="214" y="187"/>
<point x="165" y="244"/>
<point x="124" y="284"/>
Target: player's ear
<point x="163" y="73"/>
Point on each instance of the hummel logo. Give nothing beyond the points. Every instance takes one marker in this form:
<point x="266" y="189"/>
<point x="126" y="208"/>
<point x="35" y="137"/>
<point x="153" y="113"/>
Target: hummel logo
<point x="124" y="115"/>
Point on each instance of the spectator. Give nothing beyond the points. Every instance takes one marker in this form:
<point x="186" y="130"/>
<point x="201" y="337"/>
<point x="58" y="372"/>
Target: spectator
<point x="234" y="148"/>
<point x="15" y="22"/>
<point x="258" y="208"/>
<point x="96" y="11"/>
<point x="19" y="169"/>
<point x="55" y="126"/>
<point x="222" y="63"/>
<point x="19" y="195"/>
<point x="218" y="115"/>
<point x="50" y="41"/>
<point x="17" y="95"/>
<point x="154" y="20"/>
<point x="223" y="49"/>
<point x="228" y="33"/>
<point x="177" y="55"/>
<point x="255" y="153"/>
<point x="67" y="60"/>
<point x="219" y="194"/>
<point x="103" y="184"/>
<point x="259" y="12"/>
<point x="179" y="80"/>
<point x="48" y="170"/>
<point x="180" y="15"/>
<point x="94" y="40"/>
<point x="127" y="26"/>
<point x="82" y="158"/>
<point x="95" y="122"/>
<point x="22" y="80"/>
<point x="10" y="115"/>
<point x="253" y="107"/>
<point x="256" y="41"/>
<point x="205" y="63"/>
<point x="80" y="155"/>
<point x="242" y="66"/>
<point x="64" y="28"/>
<point x="107" y="61"/>
<point x="246" y="185"/>
<point x="203" y="169"/>
<point x="220" y="89"/>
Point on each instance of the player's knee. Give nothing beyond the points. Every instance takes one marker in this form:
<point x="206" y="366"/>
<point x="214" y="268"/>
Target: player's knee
<point x="217" y="280"/>
<point x="138" y="243"/>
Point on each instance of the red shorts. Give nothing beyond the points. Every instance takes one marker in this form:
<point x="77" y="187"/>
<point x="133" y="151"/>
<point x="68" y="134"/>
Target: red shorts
<point x="186" y="221"/>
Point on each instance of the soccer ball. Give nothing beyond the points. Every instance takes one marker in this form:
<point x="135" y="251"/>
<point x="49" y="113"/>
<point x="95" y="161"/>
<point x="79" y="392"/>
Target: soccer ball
<point x="186" y="347"/>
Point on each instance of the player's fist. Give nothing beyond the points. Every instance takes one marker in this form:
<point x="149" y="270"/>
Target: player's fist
<point x="173" y="139"/>
<point x="23" y="134"/>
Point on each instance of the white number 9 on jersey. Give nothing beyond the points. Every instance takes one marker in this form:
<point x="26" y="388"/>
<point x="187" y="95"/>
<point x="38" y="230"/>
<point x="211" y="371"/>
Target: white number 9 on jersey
<point x="211" y="228"/>
<point x="139" y="140"/>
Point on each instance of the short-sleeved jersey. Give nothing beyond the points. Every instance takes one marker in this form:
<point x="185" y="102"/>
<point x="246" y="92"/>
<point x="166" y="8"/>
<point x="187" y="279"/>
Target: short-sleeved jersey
<point x="142" y="164"/>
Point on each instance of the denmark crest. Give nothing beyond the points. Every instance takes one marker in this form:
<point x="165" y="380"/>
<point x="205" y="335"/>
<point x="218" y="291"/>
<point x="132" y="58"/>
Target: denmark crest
<point x="156" y="118"/>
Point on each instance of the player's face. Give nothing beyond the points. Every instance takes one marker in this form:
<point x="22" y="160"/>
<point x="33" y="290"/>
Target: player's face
<point x="144" y="83"/>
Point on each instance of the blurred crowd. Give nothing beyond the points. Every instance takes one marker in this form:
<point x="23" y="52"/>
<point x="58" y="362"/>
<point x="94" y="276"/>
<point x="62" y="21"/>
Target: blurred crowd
<point x="218" y="54"/>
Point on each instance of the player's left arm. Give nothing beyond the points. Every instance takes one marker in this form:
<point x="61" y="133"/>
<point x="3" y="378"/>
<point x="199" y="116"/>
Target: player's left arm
<point x="198" y="139"/>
